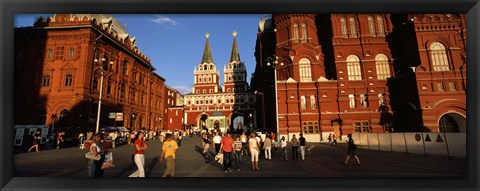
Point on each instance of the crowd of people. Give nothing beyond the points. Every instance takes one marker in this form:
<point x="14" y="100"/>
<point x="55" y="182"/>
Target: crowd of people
<point x="228" y="148"/>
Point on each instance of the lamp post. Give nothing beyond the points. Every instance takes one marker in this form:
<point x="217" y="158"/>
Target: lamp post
<point x="274" y="62"/>
<point x="102" y="68"/>
<point x="54" y="117"/>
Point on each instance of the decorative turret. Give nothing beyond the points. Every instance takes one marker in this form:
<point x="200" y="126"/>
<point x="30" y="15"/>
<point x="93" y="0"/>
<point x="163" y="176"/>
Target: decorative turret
<point x="235" y="55"/>
<point x="207" y="54"/>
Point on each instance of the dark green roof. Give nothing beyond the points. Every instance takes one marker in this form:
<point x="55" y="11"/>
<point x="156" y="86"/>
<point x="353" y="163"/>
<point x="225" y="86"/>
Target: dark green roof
<point x="235" y="55"/>
<point x="207" y="54"/>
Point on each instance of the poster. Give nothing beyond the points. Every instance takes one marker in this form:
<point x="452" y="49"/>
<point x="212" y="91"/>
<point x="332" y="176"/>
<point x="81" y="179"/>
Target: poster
<point x="19" y="137"/>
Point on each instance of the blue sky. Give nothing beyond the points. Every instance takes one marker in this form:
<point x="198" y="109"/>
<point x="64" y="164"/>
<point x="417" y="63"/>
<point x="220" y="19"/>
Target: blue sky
<point x="175" y="43"/>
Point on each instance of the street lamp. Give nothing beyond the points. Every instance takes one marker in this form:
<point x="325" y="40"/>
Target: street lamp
<point x="274" y="63"/>
<point x="102" y="68"/>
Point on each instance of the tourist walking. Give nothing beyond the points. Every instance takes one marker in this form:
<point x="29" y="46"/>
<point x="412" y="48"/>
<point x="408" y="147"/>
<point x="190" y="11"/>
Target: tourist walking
<point x="238" y="151"/>
<point x="303" y="144"/>
<point x="169" y="149"/>
<point x="267" y="146"/>
<point x="254" y="147"/>
<point x="329" y="139"/>
<point x="60" y="140"/>
<point x="351" y="150"/>
<point x="334" y="139"/>
<point x="96" y="148"/>
<point x="36" y="138"/>
<point x="217" y="139"/>
<point x="139" y="155"/>
<point x="206" y="147"/>
<point x="226" y="147"/>
<point x="283" y="146"/>
<point x="244" y="138"/>
<point x="294" y="143"/>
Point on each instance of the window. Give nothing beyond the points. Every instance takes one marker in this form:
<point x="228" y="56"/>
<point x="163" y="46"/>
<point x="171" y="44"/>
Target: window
<point x="351" y="102"/>
<point x="361" y="126"/>
<point x="313" y="102"/>
<point x="122" y="92"/>
<point x="353" y="27"/>
<point x="353" y="67"/>
<point x="198" y="91"/>
<point x="59" y="52"/>
<point x="381" y="28"/>
<point x="71" y="53"/>
<point x="440" y="87"/>
<point x="211" y="91"/>
<point x="204" y="91"/>
<point x="109" y="88"/>
<point x="304" y="33"/>
<point x="343" y="22"/>
<point x="46" y="81"/>
<point x="381" y="99"/>
<point x="310" y="127"/>
<point x="49" y="53"/>
<point x="452" y="86"/>
<point x="125" y="68"/>
<point x="63" y="117"/>
<point x="383" y="69"/>
<point x="68" y="79"/>
<point x="371" y="26"/>
<point x="199" y="80"/>
<point x="439" y="57"/>
<point x="364" y="100"/>
<point x="228" y="90"/>
<point x="295" y="33"/>
<point x="304" y="102"/>
<point x="305" y="70"/>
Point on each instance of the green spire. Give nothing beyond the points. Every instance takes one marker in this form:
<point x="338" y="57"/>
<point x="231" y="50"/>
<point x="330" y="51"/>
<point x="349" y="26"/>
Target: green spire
<point x="207" y="54"/>
<point x="235" y="55"/>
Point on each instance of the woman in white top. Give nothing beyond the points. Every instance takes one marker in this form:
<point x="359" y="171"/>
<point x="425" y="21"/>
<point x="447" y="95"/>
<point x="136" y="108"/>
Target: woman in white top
<point x="95" y="167"/>
<point x="254" y="147"/>
<point x="243" y="138"/>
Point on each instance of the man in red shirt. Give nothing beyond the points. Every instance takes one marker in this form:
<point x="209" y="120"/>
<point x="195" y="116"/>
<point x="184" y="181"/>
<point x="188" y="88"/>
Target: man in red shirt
<point x="226" y="147"/>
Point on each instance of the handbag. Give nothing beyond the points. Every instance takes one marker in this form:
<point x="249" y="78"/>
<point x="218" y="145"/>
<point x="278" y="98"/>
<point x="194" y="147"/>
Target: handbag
<point x="90" y="155"/>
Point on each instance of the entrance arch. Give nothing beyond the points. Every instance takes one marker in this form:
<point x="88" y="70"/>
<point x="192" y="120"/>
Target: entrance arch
<point x="452" y="123"/>
<point x="202" y="121"/>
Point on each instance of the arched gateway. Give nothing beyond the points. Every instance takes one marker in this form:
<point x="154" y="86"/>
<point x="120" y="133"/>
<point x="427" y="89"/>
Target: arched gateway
<point x="452" y="123"/>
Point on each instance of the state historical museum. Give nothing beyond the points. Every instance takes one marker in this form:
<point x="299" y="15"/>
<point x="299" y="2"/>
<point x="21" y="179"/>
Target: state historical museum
<point x="345" y="73"/>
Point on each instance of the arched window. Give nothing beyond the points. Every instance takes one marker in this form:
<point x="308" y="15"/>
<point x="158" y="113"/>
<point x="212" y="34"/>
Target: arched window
<point x="439" y="57"/>
<point x="304" y="33"/>
<point x="199" y="80"/>
<point x="383" y="69"/>
<point x="371" y="26"/>
<point x="305" y="70"/>
<point x="353" y="27"/>
<point x="125" y="68"/>
<point x="381" y="28"/>
<point x="353" y="67"/>
<point x="68" y="79"/>
<point x="295" y="32"/>
<point x="63" y="117"/>
<point x="343" y="22"/>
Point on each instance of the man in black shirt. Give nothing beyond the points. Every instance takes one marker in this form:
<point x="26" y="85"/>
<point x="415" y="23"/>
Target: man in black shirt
<point x="303" y="144"/>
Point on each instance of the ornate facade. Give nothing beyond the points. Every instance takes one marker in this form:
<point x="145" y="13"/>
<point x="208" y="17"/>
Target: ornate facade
<point x="58" y="75"/>
<point x="344" y="73"/>
<point x="227" y="107"/>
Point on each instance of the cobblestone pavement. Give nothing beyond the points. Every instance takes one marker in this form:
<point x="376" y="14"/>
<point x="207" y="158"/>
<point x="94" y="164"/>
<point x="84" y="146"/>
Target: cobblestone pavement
<point x="322" y="161"/>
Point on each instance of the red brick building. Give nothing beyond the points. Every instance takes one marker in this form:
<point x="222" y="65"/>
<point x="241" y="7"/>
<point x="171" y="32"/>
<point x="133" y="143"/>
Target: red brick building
<point x="344" y="73"/>
<point x="173" y="109"/>
<point x="227" y="107"/>
<point x="58" y="75"/>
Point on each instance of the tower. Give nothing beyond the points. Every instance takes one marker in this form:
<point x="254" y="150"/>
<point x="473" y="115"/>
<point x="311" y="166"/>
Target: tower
<point x="206" y="75"/>
<point x="235" y="73"/>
